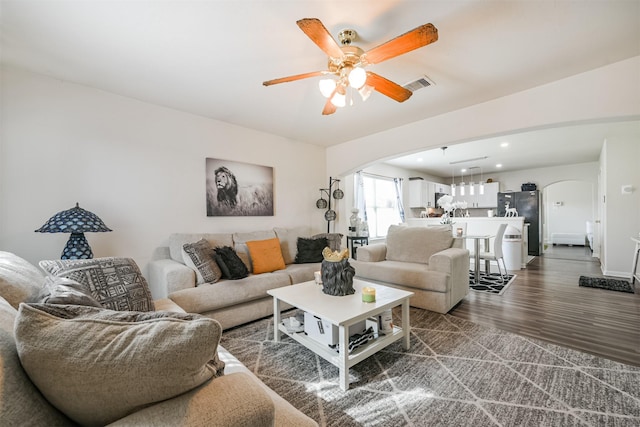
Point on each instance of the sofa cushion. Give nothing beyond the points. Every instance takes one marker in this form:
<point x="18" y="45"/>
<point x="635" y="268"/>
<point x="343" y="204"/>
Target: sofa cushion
<point x="231" y="400"/>
<point x="60" y="290"/>
<point x="22" y="403"/>
<point x="289" y="241"/>
<point x="201" y="258"/>
<point x="266" y="255"/>
<point x="98" y="365"/>
<point x="177" y="241"/>
<point x="228" y="293"/>
<point x="19" y="279"/>
<point x="116" y="283"/>
<point x="406" y="275"/>
<point x="417" y="244"/>
<point x="310" y="250"/>
<point x="302" y="272"/>
<point x="230" y="263"/>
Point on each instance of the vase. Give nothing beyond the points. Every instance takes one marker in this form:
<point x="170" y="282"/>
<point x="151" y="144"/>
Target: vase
<point x="337" y="277"/>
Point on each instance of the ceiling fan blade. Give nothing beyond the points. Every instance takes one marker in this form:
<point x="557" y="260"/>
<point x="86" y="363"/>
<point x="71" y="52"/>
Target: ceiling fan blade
<point x="318" y="33"/>
<point x="387" y="87"/>
<point x="411" y="40"/>
<point x="294" y="78"/>
<point x="329" y="108"/>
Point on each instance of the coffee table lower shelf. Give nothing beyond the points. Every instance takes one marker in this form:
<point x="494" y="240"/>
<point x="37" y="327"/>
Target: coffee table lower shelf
<point x="356" y="356"/>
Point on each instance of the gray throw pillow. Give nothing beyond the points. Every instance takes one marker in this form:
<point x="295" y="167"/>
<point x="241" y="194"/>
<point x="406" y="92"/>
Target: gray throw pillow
<point x="19" y="279"/>
<point x="97" y="365"/>
<point x="116" y="283"/>
<point x="201" y="258"/>
<point x="334" y="239"/>
<point x="22" y="403"/>
<point x="60" y="290"/>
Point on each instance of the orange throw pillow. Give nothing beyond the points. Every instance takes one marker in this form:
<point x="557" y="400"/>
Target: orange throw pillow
<point x="266" y="255"/>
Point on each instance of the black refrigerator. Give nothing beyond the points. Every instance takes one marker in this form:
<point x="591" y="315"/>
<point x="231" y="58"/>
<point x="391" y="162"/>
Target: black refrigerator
<point x="527" y="203"/>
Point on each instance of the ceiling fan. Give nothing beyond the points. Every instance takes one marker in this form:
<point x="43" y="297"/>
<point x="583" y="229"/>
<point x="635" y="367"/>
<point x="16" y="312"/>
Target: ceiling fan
<point x="347" y="63"/>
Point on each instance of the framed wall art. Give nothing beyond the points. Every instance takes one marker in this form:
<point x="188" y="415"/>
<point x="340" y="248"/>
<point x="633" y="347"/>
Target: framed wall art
<point x="238" y="189"/>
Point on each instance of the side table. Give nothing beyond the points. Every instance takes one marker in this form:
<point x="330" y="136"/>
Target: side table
<point x="353" y="240"/>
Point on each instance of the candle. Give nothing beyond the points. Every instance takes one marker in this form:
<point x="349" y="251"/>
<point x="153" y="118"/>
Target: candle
<point x="318" y="277"/>
<point x="368" y="294"/>
<point x="459" y="231"/>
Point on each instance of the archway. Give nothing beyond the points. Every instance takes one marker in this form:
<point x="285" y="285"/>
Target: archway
<point x="568" y="213"/>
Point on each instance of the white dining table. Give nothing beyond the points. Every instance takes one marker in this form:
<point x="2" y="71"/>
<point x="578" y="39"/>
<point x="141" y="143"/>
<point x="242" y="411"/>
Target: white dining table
<point x="476" y="247"/>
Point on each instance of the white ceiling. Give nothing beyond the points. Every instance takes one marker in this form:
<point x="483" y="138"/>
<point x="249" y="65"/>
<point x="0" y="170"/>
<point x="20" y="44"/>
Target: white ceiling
<point x="211" y="57"/>
<point x="526" y="150"/>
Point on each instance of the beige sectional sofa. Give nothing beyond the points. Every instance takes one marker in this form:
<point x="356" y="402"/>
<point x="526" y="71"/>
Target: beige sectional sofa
<point x="230" y="302"/>
<point x="427" y="261"/>
<point x="236" y="398"/>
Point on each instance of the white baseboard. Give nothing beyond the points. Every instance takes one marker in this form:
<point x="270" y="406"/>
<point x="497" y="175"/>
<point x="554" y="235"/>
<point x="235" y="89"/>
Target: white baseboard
<point x="612" y="273"/>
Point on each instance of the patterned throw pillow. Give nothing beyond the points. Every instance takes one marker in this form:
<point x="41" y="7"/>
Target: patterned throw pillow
<point x="116" y="283"/>
<point x="97" y="366"/>
<point x="266" y="255"/>
<point x="230" y="263"/>
<point x="201" y="258"/>
<point x="310" y="250"/>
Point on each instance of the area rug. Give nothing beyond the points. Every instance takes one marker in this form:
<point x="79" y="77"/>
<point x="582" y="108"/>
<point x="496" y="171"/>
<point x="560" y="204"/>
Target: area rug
<point x="606" y="283"/>
<point x="455" y="373"/>
<point x="490" y="283"/>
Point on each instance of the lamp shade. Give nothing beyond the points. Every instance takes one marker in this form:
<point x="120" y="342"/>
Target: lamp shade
<point x="76" y="221"/>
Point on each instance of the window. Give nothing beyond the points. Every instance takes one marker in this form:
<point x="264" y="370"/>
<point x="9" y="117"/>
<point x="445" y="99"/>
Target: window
<point x="381" y="204"/>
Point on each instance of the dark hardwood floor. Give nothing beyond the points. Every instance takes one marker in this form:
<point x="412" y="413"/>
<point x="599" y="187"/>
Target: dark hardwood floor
<point x="545" y="302"/>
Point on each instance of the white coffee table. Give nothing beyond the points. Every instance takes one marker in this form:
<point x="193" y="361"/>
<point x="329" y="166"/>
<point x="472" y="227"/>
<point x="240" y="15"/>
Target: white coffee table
<point x="342" y="311"/>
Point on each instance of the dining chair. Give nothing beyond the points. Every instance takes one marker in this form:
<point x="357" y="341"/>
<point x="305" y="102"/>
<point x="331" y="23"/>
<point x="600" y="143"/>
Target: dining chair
<point x="497" y="254"/>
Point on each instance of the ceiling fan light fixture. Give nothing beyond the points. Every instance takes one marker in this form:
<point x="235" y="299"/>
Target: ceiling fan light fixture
<point x="357" y="77"/>
<point x="327" y="86"/>
<point x="339" y="99"/>
<point x="365" y="92"/>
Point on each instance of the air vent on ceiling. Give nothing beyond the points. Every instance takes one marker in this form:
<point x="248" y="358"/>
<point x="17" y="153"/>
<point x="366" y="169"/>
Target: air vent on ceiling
<point x="420" y="83"/>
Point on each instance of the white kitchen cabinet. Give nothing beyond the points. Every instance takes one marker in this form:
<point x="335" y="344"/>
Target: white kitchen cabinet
<point x="441" y="188"/>
<point x="418" y="193"/>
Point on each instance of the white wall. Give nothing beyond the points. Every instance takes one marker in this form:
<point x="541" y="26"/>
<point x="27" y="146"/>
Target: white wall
<point x="568" y="205"/>
<point x="139" y="167"/>
<point x="622" y="210"/>
<point x="542" y="177"/>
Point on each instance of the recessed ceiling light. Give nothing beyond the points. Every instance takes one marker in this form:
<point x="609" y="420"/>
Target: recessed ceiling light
<point x="463" y="170"/>
<point x="504" y="144"/>
<point x="420" y="159"/>
<point x="499" y="165"/>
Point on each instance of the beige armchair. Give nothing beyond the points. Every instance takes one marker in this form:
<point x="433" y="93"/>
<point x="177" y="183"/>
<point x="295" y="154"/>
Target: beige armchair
<point x="427" y="261"/>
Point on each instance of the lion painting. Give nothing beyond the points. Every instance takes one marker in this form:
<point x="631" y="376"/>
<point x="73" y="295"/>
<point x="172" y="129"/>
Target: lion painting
<point x="227" y="186"/>
<point x="247" y="191"/>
